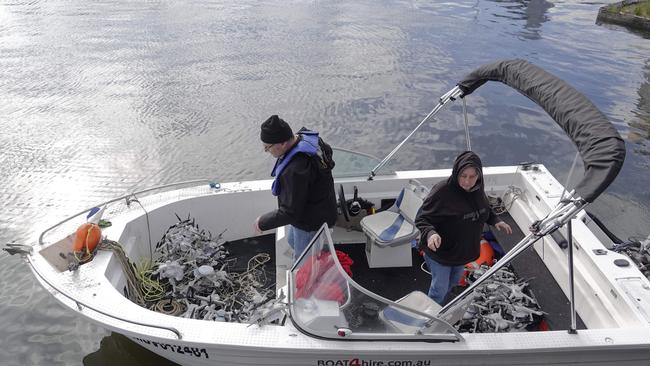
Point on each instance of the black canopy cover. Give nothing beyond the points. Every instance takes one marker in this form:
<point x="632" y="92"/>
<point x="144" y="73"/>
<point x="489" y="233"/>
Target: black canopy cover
<point x="601" y="147"/>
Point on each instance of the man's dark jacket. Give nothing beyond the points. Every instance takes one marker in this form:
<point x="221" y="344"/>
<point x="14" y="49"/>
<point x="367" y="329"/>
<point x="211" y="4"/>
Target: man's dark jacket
<point x="306" y="198"/>
<point x="456" y="215"/>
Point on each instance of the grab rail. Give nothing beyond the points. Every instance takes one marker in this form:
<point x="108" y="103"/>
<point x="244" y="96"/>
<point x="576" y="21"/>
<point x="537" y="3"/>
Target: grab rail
<point x="40" y="238"/>
<point x="80" y="304"/>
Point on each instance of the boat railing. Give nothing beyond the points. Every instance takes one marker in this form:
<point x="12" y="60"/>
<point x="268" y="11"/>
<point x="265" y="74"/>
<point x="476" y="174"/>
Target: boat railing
<point x="81" y="305"/>
<point x="128" y="198"/>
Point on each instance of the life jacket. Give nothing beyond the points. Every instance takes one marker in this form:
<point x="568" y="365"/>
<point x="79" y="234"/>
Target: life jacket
<point x="485" y="258"/>
<point x="309" y="144"/>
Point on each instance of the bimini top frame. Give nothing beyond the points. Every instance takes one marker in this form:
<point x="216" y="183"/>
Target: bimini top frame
<point x="449" y="96"/>
<point x="600" y="146"/>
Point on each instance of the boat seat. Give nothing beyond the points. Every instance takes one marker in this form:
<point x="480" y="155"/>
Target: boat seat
<point x="391" y="233"/>
<point x="407" y="322"/>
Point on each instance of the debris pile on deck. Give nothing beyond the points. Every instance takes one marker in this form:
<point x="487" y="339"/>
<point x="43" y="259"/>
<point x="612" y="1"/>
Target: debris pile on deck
<point x="503" y="303"/>
<point x="201" y="281"/>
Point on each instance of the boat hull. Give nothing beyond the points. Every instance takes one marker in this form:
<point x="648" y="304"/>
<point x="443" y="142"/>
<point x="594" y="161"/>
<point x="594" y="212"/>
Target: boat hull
<point x="210" y="356"/>
<point x="619" y="329"/>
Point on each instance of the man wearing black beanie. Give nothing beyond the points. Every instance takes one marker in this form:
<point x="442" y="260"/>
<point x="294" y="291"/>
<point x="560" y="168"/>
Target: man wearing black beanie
<point x="303" y="183"/>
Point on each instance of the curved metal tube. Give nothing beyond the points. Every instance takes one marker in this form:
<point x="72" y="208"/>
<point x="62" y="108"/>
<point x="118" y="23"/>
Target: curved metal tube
<point x="81" y="304"/>
<point x="563" y="213"/>
<point x="449" y="96"/>
<point x="40" y="238"/>
<point x="467" y="139"/>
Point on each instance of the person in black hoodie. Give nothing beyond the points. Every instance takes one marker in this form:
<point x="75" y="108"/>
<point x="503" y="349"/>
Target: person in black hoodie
<point x="451" y="222"/>
<point x="303" y="183"/>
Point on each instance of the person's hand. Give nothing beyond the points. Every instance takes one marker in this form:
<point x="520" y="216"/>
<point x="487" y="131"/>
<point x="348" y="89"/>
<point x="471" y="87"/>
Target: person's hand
<point x="501" y="225"/>
<point x="256" y="226"/>
<point x="434" y="242"/>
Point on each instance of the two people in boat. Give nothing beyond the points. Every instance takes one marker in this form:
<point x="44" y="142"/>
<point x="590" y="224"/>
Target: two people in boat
<point x="303" y="183"/>
<point x="451" y="222"/>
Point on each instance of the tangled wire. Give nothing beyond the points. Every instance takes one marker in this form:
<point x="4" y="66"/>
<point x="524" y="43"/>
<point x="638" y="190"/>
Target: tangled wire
<point x="194" y="277"/>
<point x="501" y="304"/>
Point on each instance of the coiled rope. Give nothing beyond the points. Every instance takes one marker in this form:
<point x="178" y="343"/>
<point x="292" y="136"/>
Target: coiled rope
<point x="141" y="288"/>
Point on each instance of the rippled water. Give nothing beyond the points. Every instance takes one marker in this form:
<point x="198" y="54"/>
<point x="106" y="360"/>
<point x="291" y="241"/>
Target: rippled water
<point x="98" y="98"/>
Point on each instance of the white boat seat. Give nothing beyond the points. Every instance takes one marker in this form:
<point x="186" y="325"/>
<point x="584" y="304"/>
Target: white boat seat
<point x="390" y="233"/>
<point x="388" y="228"/>
<point x="407" y="322"/>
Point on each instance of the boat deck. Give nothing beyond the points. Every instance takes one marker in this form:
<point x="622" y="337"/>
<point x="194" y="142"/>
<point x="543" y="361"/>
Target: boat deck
<point x="246" y="249"/>
<point x="394" y="283"/>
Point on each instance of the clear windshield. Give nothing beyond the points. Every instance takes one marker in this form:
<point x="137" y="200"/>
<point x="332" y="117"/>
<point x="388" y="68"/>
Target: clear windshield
<point x="353" y="163"/>
<point x="326" y="302"/>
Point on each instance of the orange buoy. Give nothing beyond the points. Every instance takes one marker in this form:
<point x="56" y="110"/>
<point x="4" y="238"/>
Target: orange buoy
<point x="86" y="238"/>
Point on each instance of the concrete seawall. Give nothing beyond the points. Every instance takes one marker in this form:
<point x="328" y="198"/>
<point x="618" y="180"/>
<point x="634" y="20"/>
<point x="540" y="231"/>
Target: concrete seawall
<point x="628" y="20"/>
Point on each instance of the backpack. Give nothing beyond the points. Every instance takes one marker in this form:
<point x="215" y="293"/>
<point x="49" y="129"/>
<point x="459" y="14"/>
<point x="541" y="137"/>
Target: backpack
<point x="325" y="153"/>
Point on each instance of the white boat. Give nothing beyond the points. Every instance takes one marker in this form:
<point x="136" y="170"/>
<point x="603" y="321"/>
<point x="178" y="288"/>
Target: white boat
<point x="607" y="297"/>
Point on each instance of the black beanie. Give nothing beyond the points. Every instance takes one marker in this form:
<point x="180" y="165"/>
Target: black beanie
<point x="275" y="130"/>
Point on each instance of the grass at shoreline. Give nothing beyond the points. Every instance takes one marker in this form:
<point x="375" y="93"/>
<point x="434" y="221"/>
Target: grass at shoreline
<point x="641" y="9"/>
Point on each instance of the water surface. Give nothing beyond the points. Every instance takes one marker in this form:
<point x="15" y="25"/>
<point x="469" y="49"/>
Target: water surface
<point x="103" y="97"/>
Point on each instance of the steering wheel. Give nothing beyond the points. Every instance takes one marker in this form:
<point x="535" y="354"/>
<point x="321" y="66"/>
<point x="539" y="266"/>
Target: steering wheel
<point x="343" y="204"/>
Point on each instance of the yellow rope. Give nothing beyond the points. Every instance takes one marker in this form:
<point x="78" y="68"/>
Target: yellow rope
<point x="151" y="289"/>
<point x="141" y="288"/>
<point x="87" y="255"/>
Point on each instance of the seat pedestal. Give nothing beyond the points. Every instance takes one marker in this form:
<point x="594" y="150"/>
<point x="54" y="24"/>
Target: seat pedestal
<point x="395" y="255"/>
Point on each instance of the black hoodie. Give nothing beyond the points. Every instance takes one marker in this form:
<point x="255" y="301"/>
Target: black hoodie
<point x="456" y="215"/>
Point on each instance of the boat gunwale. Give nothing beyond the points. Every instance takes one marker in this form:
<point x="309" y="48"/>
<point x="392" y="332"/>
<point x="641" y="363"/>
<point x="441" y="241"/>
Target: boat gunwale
<point x="400" y="175"/>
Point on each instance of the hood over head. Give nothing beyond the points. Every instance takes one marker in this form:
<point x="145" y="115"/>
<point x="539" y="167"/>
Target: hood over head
<point x="464" y="160"/>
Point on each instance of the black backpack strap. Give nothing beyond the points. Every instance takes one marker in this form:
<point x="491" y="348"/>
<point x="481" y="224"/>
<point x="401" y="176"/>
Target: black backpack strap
<point x="325" y="153"/>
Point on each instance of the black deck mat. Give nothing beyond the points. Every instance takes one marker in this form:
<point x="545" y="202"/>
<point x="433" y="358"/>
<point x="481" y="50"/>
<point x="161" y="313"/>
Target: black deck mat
<point x="394" y="283"/>
<point x="528" y="265"/>
<point x="391" y="283"/>
<point x="245" y="249"/>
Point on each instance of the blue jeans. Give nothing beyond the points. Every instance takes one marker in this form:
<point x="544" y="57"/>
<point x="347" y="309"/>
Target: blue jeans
<point x="298" y="240"/>
<point x="443" y="278"/>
